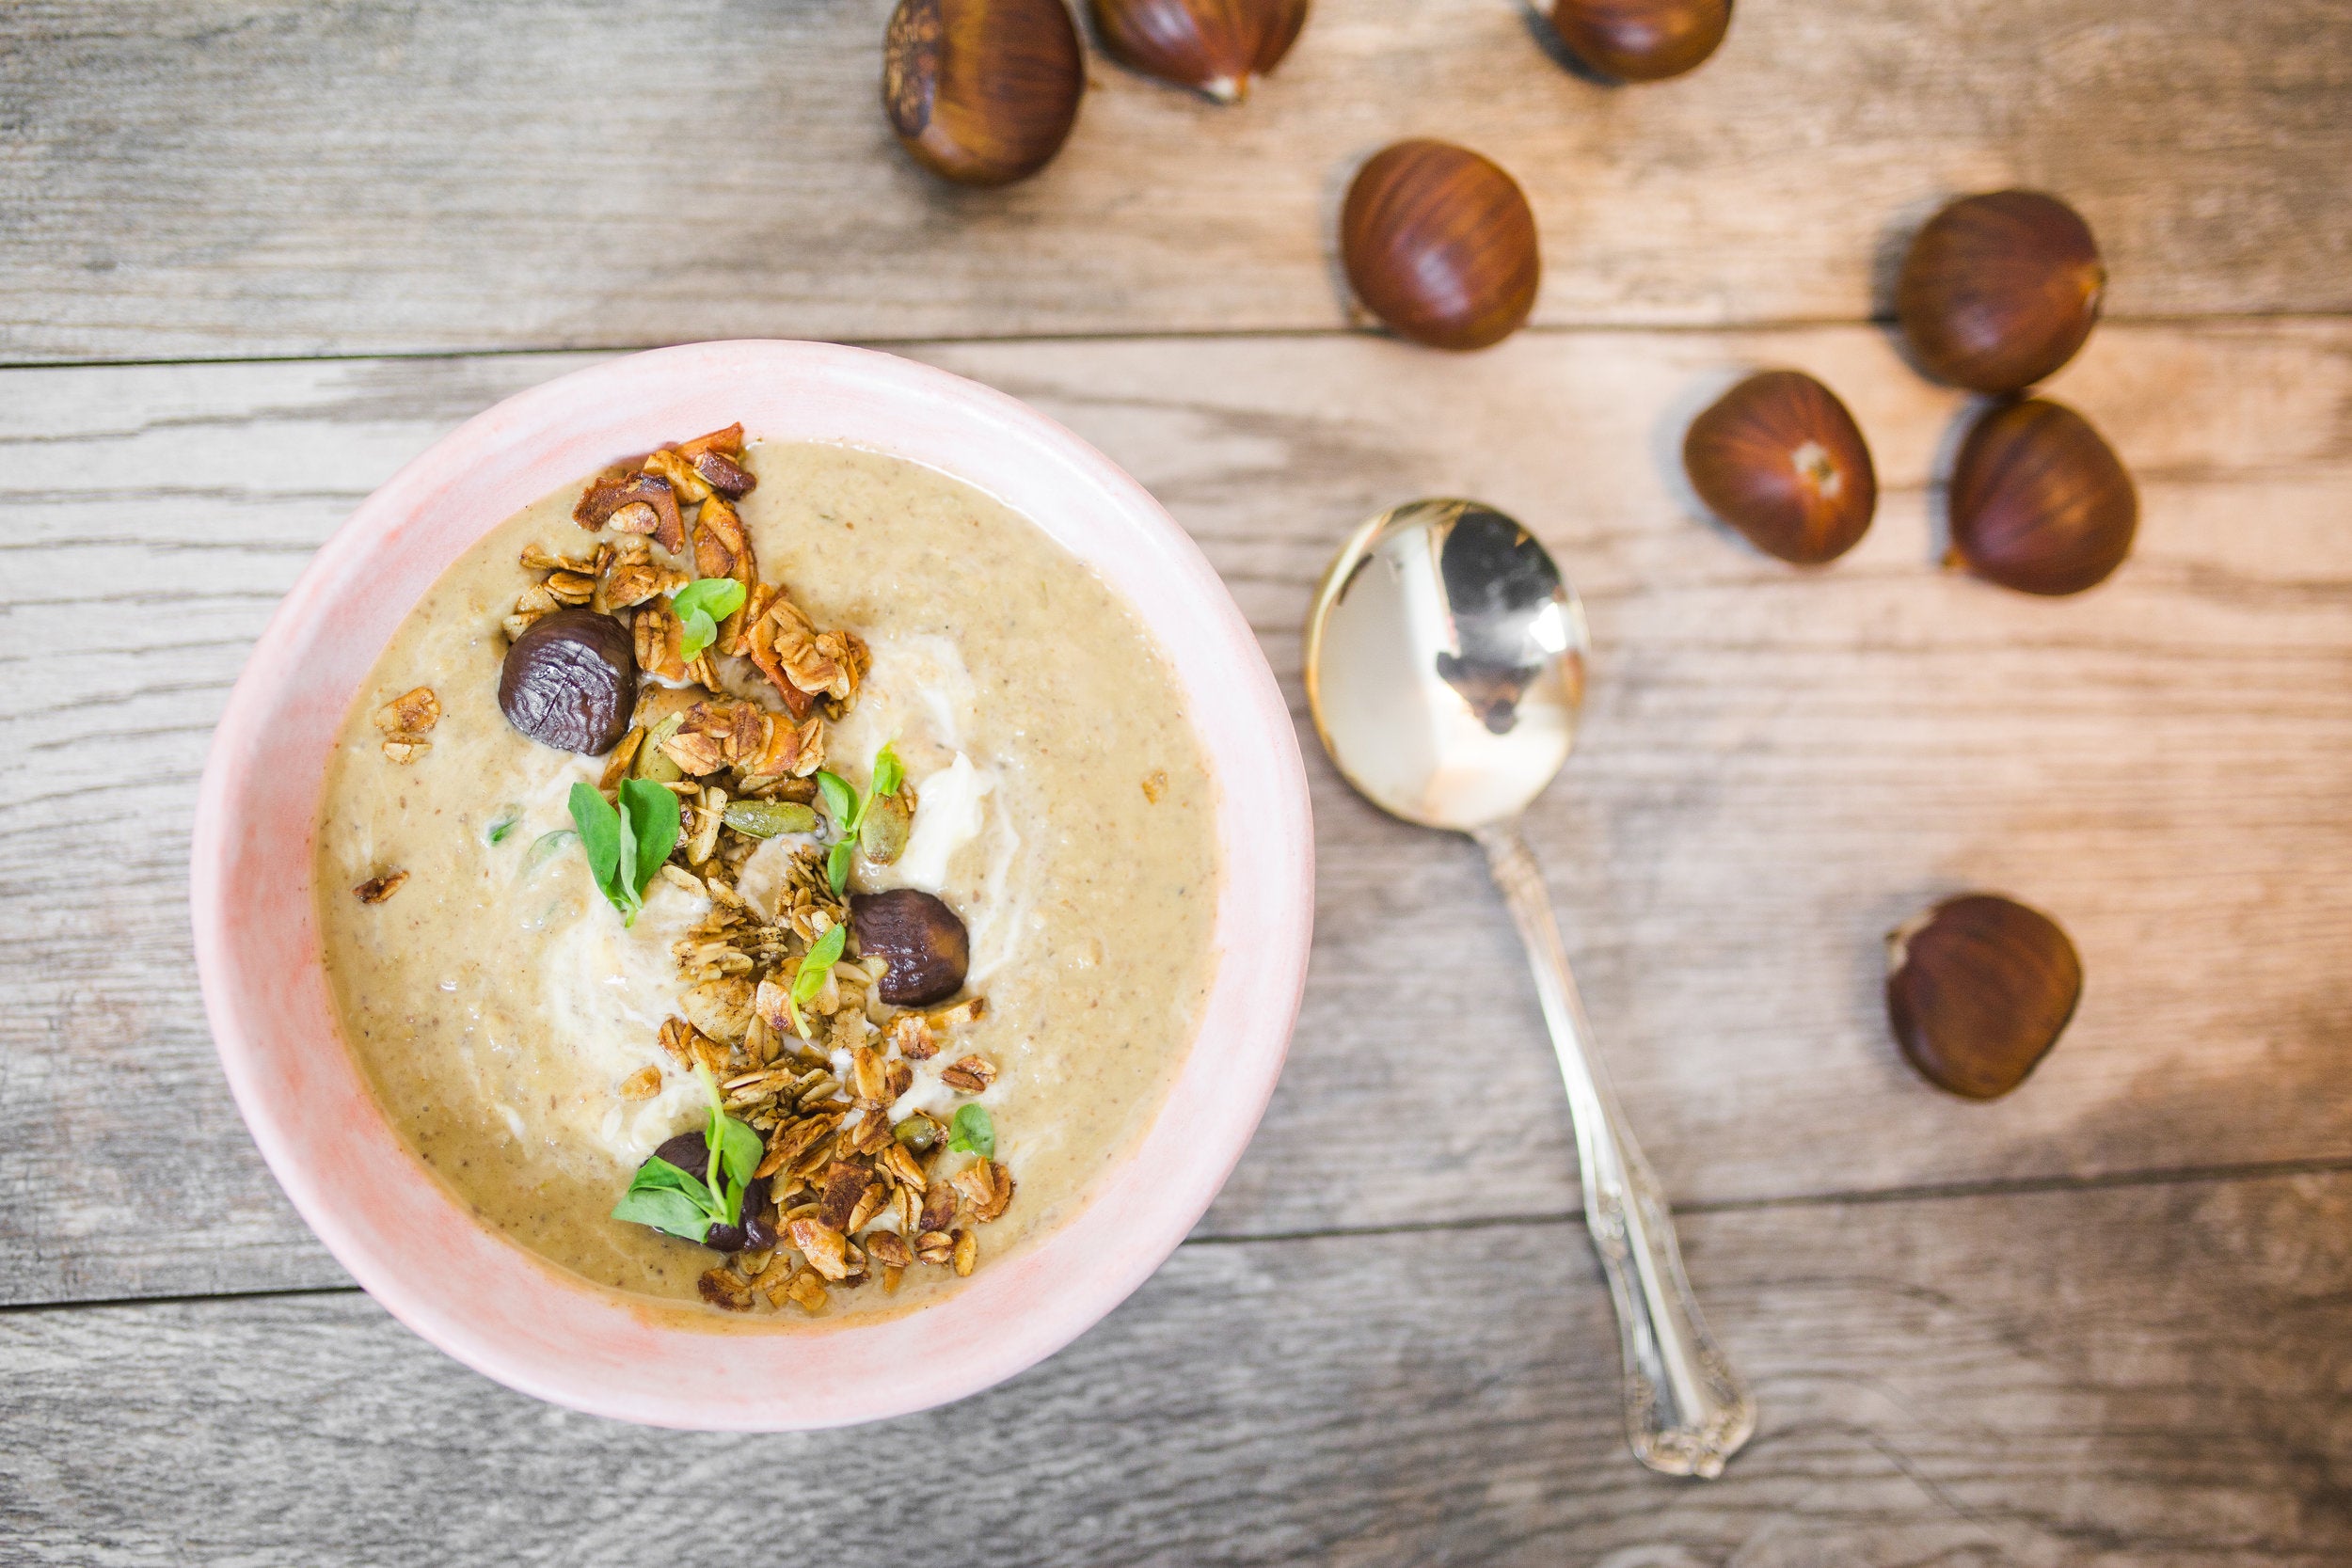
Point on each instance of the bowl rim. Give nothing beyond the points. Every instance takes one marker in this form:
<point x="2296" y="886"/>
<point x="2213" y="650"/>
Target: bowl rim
<point x="401" y="1233"/>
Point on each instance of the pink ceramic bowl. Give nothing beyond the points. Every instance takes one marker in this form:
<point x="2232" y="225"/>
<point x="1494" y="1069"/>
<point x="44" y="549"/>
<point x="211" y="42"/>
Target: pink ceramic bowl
<point x="401" y="1235"/>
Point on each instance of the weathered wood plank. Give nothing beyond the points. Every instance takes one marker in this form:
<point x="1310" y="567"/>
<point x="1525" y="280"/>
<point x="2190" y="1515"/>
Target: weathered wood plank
<point x="1778" y="768"/>
<point x="2150" y="1377"/>
<point x="248" y="177"/>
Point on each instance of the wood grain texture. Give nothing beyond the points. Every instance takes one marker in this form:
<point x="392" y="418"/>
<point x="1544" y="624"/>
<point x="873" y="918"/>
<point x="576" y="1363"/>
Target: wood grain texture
<point x="2151" y="1378"/>
<point x="248" y="177"/>
<point x="1778" y="768"/>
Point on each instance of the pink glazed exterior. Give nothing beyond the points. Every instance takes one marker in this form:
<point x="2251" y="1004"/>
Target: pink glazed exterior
<point x="399" y="1231"/>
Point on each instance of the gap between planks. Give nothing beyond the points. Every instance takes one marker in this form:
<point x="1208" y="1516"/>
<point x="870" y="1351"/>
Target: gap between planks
<point x="917" y="343"/>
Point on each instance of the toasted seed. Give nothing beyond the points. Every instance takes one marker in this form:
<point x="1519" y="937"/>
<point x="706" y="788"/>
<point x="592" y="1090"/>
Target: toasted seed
<point x="939" y="1206"/>
<point x="912" y="1034"/>
<point x="635" y="517"/>
<point x="872" y="1078"/>
<point x="411" y="714"/>
<point x="977" y="1182"/>
<point x="968" y="1011"/>
<point x="902" y="1165"/>
<point x="376" y="889"/>
<point x="616" y="766"/>
<point x="807" y="1292"/>
<point x="846" y="1186"/>
<point x="967" y="1252"/>
<point x="869" y="1205"/>
<point x="722" y="1289"/>
<point x="822" y="1245"/>
<point x="571" y="587"/>
<point x="970" y="1075"/>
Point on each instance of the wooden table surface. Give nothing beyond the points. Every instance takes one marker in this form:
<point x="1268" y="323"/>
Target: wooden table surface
<point x="254" y="254"/>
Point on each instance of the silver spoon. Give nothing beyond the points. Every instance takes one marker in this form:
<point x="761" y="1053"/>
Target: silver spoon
<point x="1445" y="666"/>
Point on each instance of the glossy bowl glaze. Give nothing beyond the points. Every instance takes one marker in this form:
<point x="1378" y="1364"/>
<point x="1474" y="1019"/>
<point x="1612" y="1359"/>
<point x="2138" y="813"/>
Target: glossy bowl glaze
<point x="399" y="1230"/>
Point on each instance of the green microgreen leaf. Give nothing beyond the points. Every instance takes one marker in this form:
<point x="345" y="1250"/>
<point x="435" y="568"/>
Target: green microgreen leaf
<point x="658" y="1174"/>
<point x="666" y="1209"/>
<point x="840" y="800"/>
<point x="741" y="1150"/>
<point x="889" y="772"/>
<point x="838" y="866"/>
<point x="653" y="817"/>
<point x="718" y="597"/>
<point x="672" y="1200"/>
<point x="626" y="844"/>
<point x="504" y="824"/>
<point x="625" y="893"/>
<point x="728" y="1169"/>
<point x="819" y="964"/>
<point x="973" y="1132"/>
<point x="700" y="605"/>
<point x="599" y="827"/>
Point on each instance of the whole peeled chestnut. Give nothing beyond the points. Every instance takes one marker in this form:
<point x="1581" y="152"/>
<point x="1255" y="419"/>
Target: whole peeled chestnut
<point x="1641" y="40"/>
<point x="570" y="680"/>
<point x="1440" y="245"/>
<point x="1998" y="291"/>
<point x="1779" y="458"/>
<point x="982" y="92"/>
<point x="2040" y="502"/>
<point x="1979" y="988"/>
<point x="1212" y="46"/>
<point x="923" y="944"/>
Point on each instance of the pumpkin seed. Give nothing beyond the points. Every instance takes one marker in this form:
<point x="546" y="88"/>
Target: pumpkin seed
<point x="651" y="761"/>
<point x="882" y="836"/>
<point x="766" y="818"/>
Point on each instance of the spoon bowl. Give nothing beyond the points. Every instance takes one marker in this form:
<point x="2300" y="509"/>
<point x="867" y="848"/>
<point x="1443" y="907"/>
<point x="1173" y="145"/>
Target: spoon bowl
<point x="1445" y="664"/>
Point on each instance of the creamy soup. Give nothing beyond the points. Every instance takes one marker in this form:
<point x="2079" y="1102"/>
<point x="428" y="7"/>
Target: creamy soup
<point x="512" y="1025"/>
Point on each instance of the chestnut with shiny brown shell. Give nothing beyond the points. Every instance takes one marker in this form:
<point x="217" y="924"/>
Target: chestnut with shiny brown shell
<point x="982" y="92"/>
<point x="1979" y="989"/>
<point x="1212" y="46"/>
<point x="2040" y="502"/>
<point x="920" y="940"/>
<point x="570" y="680"/>
<point x="1439" y="244"/>
<point x="1642" y="40"/>
<point x="1779" y="458"/>
<point x="1999" y="290"/>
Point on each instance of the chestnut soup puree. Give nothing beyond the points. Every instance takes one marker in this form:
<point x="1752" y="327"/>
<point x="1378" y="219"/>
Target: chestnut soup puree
<point x="931" y="932"/>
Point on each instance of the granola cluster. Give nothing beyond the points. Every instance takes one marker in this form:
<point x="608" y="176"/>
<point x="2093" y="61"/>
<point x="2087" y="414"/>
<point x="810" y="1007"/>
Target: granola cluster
<point x="853" y="1196"/>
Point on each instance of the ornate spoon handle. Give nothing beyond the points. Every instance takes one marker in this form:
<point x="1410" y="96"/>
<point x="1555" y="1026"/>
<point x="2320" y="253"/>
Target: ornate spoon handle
<point x="1685" y="1410"/>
